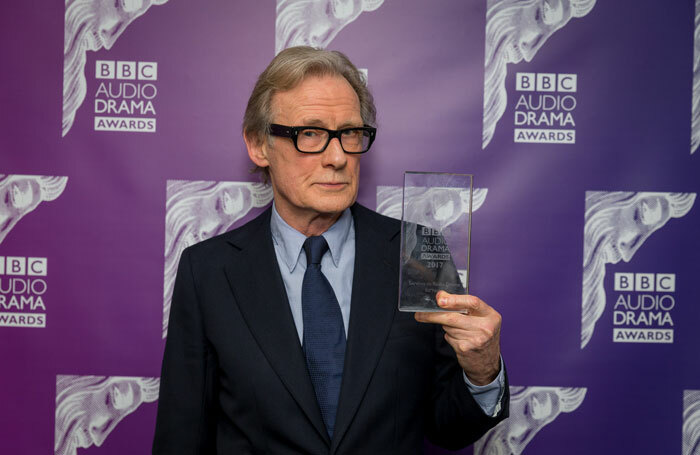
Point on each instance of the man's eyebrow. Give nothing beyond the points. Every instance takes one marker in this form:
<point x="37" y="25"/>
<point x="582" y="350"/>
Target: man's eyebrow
<point x="322" y="124"/>
<point x="350" y="125"/>
<point x="313" y="122"/>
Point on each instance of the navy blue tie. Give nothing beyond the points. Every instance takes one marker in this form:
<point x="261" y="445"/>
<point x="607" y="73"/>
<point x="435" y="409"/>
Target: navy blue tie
<point x="324" y="332"/>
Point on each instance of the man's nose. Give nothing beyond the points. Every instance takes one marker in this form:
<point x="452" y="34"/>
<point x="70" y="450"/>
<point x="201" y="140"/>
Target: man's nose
<point x="334" y="155"/>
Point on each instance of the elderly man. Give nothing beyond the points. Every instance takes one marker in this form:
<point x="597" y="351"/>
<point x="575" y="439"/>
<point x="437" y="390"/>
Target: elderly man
<point x="284" y="334"/>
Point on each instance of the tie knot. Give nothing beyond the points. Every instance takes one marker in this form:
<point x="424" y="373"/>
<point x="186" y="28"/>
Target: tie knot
<point x="315" y="247"/>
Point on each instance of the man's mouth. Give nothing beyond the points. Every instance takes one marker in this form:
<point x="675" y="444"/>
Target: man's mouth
<point x="332" y="184"/>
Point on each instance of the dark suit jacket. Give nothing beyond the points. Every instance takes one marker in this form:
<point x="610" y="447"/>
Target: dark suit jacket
<point x="234" y="378"/>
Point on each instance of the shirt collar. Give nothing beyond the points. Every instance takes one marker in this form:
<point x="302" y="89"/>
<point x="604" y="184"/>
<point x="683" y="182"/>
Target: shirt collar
<point x="291" y="241"/>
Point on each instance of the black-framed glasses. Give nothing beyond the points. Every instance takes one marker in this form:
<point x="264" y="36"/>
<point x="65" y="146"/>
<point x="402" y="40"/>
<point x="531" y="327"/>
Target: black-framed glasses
<point x="313" y="139"/>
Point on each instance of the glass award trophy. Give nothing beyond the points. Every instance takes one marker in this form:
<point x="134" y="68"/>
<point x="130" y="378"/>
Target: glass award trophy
<point x="435" y="238"/>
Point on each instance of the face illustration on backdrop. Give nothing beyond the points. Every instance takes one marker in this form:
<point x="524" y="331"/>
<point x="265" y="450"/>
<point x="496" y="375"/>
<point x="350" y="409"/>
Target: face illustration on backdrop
<point x="21" y="194"/>
<point x="91" y="25"/>
<point x="635" y="224"/>
<point x="88" y="408"/>
<point x="449" y="209"/>
<point x="515" y="31"/>
<point x="616" y="225"/>
<point x="108" y="407"/>
<point x="315" y="22"/>
<point x="438" y="208"/>
<point x="216" y="213"/>
<point x="199" y="210"/>
<point x="691" y="422"/>
<point x="16" y="199"/>
<point x="531" y="409"/>
<point x="109" y="19"/>
<point x="390" y="201"/>
<point x="533" y="24"/>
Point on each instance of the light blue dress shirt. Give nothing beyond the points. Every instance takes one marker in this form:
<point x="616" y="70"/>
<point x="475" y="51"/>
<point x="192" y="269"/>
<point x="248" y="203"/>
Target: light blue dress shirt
<point x="338" y="267"/>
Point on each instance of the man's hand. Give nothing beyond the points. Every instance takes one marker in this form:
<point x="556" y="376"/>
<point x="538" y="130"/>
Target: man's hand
<point x="473" y="333"/>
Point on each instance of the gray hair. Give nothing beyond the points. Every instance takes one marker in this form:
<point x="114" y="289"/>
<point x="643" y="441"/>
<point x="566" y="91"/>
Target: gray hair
<point x="286" y="71"/>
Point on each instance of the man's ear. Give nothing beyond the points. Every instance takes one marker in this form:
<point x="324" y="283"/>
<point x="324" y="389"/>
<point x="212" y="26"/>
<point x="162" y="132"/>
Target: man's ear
<point x="257" y="150"/>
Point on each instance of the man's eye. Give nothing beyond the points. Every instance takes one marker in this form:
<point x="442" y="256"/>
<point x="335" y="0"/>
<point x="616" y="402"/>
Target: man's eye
<point x="309" y="133"/>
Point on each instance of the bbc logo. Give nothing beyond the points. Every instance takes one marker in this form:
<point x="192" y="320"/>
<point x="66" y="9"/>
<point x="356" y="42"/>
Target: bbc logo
<point x="110" y="69"/>
<point x="645" y="282"/>
<point x="429" y="231"/>
<point x="545" y="82"/>
<point x="18" y="265"/>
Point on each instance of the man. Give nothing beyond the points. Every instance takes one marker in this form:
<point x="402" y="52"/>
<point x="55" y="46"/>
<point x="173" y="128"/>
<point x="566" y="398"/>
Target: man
<point x="266" y="354"/>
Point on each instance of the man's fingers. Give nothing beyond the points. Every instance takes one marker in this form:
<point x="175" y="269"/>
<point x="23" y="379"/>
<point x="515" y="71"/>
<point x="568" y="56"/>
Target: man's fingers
<point x="458" y="321"/>
<point x="466" y="303"/>
<point x="463" y="332"/>
<point x="443" y="318"/>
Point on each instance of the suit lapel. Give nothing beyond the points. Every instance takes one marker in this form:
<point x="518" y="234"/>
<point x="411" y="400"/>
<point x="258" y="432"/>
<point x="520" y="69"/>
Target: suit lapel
<point x="371" y="314"/>
<point x="257" y="284"/>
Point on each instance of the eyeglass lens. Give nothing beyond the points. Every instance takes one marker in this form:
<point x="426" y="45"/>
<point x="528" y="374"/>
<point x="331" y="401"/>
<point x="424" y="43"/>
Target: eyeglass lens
<point x="313" y="140"/>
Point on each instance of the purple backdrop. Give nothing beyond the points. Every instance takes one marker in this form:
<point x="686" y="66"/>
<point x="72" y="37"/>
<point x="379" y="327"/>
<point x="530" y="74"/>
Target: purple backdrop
<point x="90" y="220"/>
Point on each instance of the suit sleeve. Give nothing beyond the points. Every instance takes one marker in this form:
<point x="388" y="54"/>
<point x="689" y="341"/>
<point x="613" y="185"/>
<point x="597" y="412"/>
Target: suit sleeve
<point x="456" y="419"/>
<point x="185" y="423"/>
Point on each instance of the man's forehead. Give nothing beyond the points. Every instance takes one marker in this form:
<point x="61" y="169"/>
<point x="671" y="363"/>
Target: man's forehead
<point x="317" y="97"/>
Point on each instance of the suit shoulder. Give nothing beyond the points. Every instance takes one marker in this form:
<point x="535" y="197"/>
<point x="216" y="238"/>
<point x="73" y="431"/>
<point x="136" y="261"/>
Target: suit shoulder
<point x="385" y="224"/>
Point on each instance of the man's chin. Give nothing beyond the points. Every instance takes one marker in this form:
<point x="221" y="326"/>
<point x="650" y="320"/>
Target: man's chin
<point x="333" y="204"/>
